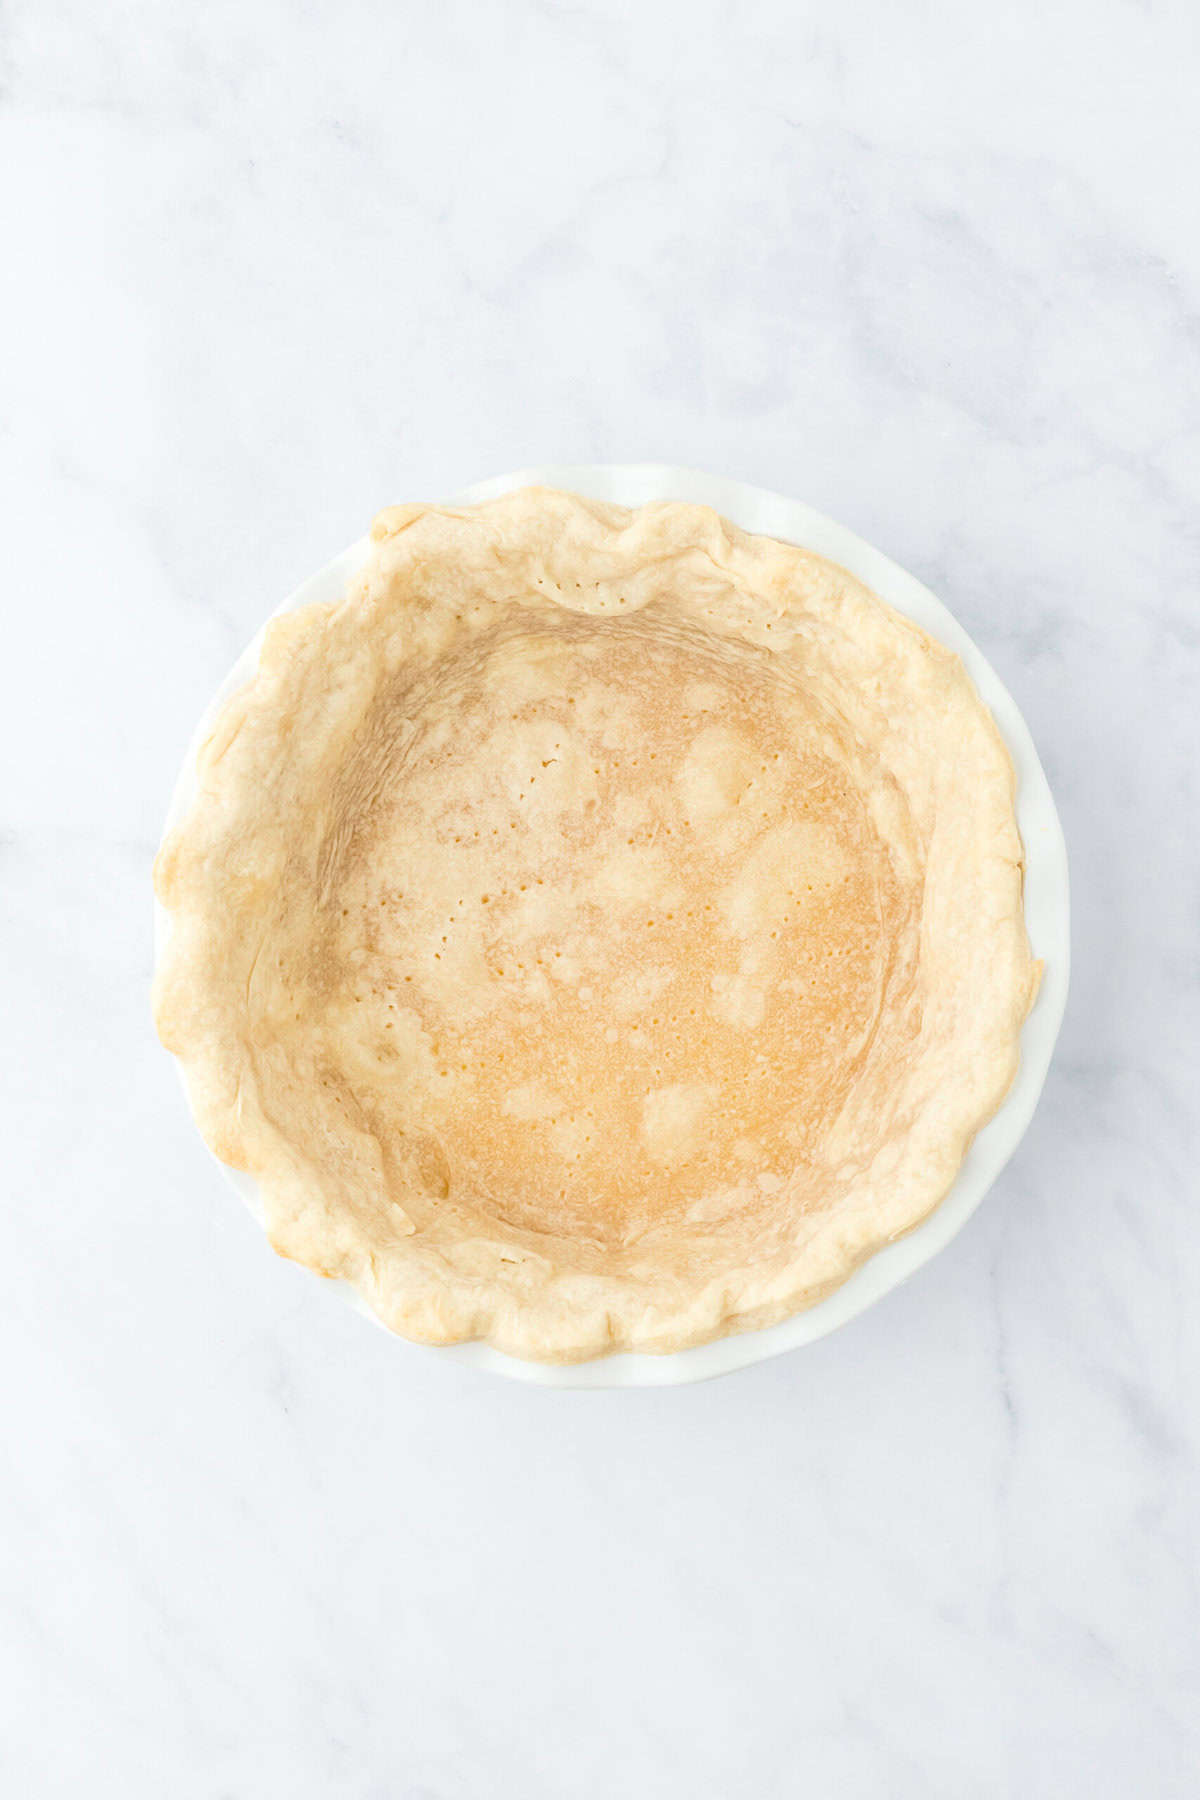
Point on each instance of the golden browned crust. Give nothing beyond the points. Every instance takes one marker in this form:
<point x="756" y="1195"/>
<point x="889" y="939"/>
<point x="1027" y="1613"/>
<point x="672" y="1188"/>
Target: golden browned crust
<point x="601" y="930"/>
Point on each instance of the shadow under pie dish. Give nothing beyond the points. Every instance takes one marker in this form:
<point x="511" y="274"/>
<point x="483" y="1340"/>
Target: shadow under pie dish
<point x="601" y="930"/>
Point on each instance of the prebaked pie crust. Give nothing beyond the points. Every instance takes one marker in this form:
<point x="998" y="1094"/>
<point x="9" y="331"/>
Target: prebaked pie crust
<point x="601" y="930"/>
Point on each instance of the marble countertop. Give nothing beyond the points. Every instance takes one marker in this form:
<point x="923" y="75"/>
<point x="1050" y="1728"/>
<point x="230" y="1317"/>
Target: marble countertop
<point x="934" y="270"/>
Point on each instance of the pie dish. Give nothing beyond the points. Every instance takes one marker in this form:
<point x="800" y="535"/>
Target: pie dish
<point x="599" y="931"/>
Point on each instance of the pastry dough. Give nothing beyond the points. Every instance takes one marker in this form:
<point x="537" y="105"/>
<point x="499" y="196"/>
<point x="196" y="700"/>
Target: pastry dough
<point x="600" y="930"/>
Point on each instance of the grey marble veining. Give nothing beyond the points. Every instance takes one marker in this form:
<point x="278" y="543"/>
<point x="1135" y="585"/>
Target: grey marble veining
<point x="935" y="270"/>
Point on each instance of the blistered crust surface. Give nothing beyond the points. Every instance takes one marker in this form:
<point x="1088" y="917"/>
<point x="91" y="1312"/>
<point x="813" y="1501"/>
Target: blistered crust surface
<point x="601" y="930"/>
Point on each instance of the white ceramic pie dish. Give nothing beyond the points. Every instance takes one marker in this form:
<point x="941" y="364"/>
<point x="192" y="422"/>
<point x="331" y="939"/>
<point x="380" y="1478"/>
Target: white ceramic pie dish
<point x="1046" y="909"/>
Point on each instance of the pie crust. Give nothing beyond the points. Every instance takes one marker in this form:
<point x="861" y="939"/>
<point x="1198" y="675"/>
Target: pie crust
<point x="601" y="930"/>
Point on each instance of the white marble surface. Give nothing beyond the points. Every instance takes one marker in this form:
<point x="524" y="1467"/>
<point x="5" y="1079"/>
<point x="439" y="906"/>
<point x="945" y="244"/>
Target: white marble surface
<point x="934" y="269"/>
